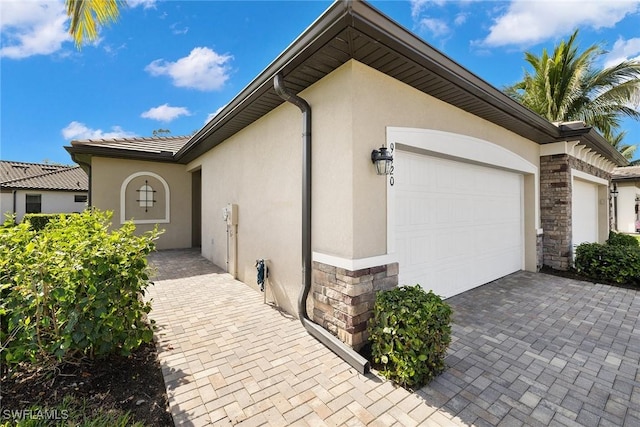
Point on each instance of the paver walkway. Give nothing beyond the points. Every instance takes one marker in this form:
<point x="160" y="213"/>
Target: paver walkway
<point x="229" y="359"/>
<point x="528" y="349"/>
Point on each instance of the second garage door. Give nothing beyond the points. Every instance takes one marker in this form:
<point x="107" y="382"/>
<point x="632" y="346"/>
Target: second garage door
<point x="457" y="225"/>
<point x="584" y="215"/>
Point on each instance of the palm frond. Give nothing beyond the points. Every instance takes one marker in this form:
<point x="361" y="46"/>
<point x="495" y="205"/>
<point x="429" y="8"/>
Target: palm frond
<point x="87" y="16"/>
<point x="565" y="85"/>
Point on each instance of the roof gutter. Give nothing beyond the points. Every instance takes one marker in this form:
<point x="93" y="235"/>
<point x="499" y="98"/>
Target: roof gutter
<point x="162" y="156"/>
<point x="333" y="343"/>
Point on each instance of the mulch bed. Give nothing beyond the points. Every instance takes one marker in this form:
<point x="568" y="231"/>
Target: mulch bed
<point x="572" y="274"/>
<point x="118" y="383"/>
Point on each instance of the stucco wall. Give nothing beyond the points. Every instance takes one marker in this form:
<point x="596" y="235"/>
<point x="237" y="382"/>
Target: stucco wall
<point x="108" y="175"/>
<point x="626" y="200"/>
<point x="259" y="169"/>
<point x="352" y="107"/>
<point x="382" y="101"/>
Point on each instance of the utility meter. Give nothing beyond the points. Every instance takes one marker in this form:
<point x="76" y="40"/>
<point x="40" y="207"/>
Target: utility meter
<point x="230" y="214"/>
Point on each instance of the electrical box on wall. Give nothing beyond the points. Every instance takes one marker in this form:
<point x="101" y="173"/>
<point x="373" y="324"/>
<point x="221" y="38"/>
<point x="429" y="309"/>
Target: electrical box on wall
<point x="230" y="214"/>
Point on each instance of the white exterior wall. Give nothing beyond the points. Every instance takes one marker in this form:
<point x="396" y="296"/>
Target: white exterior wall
<point x="626" y="200"/>
<point x="51" y="202"/>
<point x="6" y="204"/>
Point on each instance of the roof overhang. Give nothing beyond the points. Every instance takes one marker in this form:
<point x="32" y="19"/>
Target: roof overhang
<point x="355" y="30"/>
<point x="626" y="174"/>
<point x="82" y="153"/>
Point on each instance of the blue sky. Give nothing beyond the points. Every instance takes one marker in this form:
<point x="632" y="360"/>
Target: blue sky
<point x="173" y="64"/>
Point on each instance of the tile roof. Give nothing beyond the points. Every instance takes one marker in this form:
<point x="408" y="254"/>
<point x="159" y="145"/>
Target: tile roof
<point x="38" y="176"/>
<point x="628" y="172"/>
<point x="155" y="145"/>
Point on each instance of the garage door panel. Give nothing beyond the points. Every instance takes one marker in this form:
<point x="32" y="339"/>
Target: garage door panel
<point x="464" y="226"/>
<point x="584" y="213"/>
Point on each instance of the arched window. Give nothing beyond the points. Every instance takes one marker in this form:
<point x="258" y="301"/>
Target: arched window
<point x="146" y="196"/>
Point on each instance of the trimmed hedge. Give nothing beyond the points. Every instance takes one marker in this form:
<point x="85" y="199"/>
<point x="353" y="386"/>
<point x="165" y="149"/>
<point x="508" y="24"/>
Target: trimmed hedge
<point x="39" y="221"/>
<point x="410" y="331"/>
<point x="620" y="239"/>
<point x="615" y="263"/>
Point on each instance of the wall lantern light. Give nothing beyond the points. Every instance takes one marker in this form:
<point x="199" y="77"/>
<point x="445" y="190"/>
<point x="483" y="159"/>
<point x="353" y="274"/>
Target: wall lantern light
<point x="383" y="160"/>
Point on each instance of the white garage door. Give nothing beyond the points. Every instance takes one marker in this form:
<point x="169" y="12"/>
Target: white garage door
<point x="458" y="225"/>
<point x="584" y="212"/>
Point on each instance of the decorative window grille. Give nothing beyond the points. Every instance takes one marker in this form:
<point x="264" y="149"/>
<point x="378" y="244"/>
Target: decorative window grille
<point x="146" y="196"/>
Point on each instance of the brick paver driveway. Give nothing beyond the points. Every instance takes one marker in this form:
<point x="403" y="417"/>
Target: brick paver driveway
<point x="534" y="349"/>
<point x="528" y="349"/>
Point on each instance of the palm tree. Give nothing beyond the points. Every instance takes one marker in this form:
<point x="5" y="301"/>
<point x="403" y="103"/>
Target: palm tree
<point x="616" y="140"/>
<point x="88" y="15"/>
<point x="566" y="86"/>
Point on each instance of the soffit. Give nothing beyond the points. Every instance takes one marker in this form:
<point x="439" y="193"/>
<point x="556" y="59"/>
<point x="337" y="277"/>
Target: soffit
<point x="362" y="33"/>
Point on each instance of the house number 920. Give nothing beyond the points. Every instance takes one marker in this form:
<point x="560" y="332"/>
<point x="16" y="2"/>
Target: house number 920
<point x="391" y="179"/>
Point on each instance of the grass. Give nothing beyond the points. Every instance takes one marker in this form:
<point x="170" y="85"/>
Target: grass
<point x="71" y="411"/>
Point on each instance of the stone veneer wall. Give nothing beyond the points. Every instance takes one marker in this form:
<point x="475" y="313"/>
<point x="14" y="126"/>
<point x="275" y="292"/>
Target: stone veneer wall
<point x="555" y="205"/>
<point x="343" y="299"/>
<point x="539" y="252"/>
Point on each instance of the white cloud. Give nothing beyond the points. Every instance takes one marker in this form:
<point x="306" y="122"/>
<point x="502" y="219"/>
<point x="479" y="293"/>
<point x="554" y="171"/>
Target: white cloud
<point x="77" y="130"/>
<point x="113" y="51"/>
<point x="165" y="113"/>
<point x="437" y="27"/>
<point x="460" y="19"/>
<point x="212" y="115"/>
<point x="178" y="31"/>
<point x="530" y="22"/>
<point x="31" y="28"/>
<point x="623" y="50"/>
<point x="203" y="69"/>
<point x="146" y="4"/>
<point x="417" y="6"/>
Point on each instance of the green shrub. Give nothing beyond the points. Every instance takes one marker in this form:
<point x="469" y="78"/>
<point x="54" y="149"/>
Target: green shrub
<point x="609" y="262"/>
<point x="72" y="289"/>
<point x="39" y="221"/>
<point x="620" y="239"/>
<point x="9" y="220"/>
<point x="409" y="332"/>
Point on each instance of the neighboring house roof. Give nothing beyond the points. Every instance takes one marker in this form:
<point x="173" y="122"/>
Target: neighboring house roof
<point x="629" y="173"/>
<point x="38" y="176"/>
<point x="355" y="30"/>
<point x="155" y="148"/>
